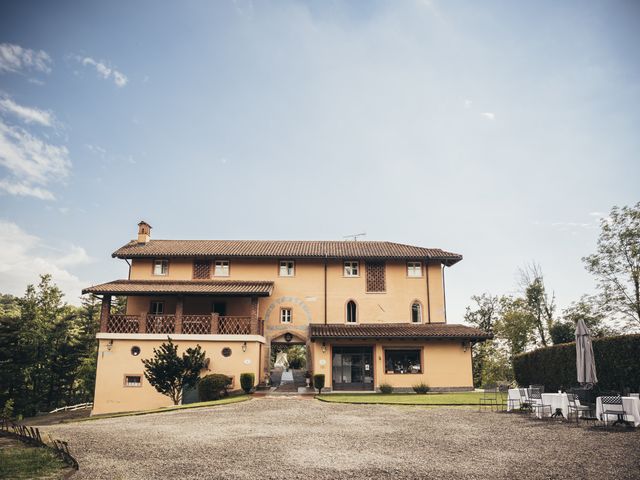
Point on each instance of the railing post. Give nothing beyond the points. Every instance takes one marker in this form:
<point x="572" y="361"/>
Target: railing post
<point x="142" y="325"/>
<point x="105" y="310"/>
<point x="179" y="308"/>
<point x="215" y="323"/>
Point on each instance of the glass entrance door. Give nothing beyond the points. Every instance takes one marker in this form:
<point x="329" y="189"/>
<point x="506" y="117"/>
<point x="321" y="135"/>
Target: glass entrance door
<point x="352" y="368"/>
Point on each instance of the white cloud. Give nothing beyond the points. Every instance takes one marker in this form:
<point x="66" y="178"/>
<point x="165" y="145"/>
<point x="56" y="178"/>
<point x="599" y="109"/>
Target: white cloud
<point x="23" y="257"/>
<point x="596" y="214"/>
<point x="489" y="115"/>
<point x="119" y="78"/>
<point x="14" y="58"/>
<point x="14" y="187"/>
<point x="31" y="162"/>
<point x="26" y="114"/>
<point x="467" y="103"/>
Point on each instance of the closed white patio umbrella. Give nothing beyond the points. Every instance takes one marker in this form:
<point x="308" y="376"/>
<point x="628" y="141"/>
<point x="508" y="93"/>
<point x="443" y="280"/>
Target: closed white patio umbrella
<point x="585" y="363"/>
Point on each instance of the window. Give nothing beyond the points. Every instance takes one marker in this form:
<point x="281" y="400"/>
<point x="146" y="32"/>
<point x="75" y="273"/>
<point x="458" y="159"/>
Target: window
<point x="285" y="315"/>
<point x="416" y="312"/>
<point x="287" y="268"/>
<point x="376" y="277"/>
<point x="226" y="352"/>
<point x="201" y="269"/>
<point x="156" y="308"/>
<point x="351" y="268"/>
<point x="133" y="380"/>
<point x="160" y="267"/>
<point x="402" y="361"/>
<point x="135" y="351"/>
<point x="352" y="312"/>
<point x="414" y="269"/>
<point x="221" y="268"/>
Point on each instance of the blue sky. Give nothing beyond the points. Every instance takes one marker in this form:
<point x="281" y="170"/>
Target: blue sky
<point x="501" y="130"/>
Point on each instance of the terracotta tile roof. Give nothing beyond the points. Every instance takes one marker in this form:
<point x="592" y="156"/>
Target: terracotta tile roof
<point x="281" y="248"/>
<point x="195" y="287"/>
<point x="398" y="330"/>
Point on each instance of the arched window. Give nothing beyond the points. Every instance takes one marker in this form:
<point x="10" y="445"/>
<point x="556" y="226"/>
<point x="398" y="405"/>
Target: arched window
<point x="352" y="312"/>
<point x="416" y="312"/>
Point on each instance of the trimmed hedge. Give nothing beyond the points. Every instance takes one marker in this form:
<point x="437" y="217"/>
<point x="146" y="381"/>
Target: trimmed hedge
<point x="213" y="387"/>
<point x="617" y="365"/>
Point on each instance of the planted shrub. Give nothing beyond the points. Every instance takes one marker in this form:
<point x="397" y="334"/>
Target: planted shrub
<point x="318" y="382"/>
<point x="386" y="388"/>
<point x="247" y="381"/>
<point x="421" y="388"/>
<point x="213" y="387"/>
<point x="554" y="367"/>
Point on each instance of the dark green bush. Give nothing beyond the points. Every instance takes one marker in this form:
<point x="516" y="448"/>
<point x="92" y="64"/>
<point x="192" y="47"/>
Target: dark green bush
<point x="246" y="381"/>
<point x="318" y="381"/>
<point x="421" y="388"/>
<point x="386" y="388"/>
<point x="213" y="387"/>
<point x="617" y="364"/>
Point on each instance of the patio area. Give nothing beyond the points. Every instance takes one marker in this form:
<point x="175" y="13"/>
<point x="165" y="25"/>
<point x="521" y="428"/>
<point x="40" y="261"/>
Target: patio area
<point x="305" y="438"/>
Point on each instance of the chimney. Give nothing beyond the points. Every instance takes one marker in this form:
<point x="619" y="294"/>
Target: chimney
<point x="144" y="232"/>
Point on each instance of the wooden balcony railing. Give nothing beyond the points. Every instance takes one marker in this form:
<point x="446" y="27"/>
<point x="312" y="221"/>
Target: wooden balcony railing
<point x="186" y="324"/>
<point x="161" y="323"/>
<point x="123" y="324"/>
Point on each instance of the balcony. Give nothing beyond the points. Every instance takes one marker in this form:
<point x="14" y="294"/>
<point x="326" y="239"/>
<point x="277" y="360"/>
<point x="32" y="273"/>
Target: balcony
<point x="212" y="324"/>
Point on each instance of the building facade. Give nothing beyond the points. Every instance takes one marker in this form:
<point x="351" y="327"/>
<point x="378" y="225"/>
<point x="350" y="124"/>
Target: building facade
<point x="368" y="313"/>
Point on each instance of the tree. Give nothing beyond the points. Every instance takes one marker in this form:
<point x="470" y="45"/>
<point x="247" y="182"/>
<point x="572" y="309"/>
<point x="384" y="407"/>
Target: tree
<point x="542" y="306"/>
<point x="616" y="263"/>
<point x="562" y="332"/>
<point x="170" y="373"/>
<point x="482" y="315"/>
<point x="516" y="325"/>
<point x="594" y="317"/>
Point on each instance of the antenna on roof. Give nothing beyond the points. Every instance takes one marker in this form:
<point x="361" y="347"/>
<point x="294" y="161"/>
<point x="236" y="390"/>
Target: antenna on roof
<point x="355" y="236"/>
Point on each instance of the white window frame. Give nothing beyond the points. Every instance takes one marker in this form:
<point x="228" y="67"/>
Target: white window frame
<point x="287" y="268"/>
<point x="419" y="312"/>
<point x="348" y="268"/>
<point x="346" y="313"/>
<point x="161" y="267"/>
<point x="156" y="303"/>
<point x="132" y="384"/>
<point x="286" y="315"/>
<point x="414" y="269"/>
<point x="223" y="266"/>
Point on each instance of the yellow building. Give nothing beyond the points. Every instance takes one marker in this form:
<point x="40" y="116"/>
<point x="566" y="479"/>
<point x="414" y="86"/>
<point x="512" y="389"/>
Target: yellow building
<point x="368" y="313"/>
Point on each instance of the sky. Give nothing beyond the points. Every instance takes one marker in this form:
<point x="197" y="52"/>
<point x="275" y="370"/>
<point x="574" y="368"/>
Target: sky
<point x="504" y="131"/>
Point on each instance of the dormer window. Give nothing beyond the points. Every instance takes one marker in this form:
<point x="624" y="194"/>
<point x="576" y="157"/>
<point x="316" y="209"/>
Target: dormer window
<point x="221" y="268"/>
<point x="287" y="268"/>
<point x="161" y="267"/>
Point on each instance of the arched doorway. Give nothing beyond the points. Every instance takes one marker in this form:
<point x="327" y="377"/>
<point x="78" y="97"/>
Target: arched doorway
<point x="288" y="360"/>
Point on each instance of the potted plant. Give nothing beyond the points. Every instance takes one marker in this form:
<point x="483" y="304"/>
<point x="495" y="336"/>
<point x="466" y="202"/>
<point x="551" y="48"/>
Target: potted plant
<point x="307" y="378"/>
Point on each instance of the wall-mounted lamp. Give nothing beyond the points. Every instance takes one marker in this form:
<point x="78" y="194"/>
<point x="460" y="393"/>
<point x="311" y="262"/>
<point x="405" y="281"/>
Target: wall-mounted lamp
<point x="465" y="345"/>
<point x="110" y="345"/>
<point x="244" y="347"/>
<point x="324" y="347"/>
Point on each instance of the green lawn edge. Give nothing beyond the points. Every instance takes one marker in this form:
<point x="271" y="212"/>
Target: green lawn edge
<point x="212" y="403"/>
<point x="433" y="399"/>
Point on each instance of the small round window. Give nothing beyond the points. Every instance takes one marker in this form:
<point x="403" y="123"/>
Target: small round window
<point x="226" y="352"/>
<point x="135" y="351"/>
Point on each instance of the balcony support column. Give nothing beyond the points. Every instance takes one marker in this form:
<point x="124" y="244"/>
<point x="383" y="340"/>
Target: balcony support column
<point x="254" y="315"/>
<point x="105" y="310"/>
<point x="179" y="310"/>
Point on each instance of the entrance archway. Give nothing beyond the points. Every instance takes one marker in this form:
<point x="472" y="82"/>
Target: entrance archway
<point x="288" y="360"/>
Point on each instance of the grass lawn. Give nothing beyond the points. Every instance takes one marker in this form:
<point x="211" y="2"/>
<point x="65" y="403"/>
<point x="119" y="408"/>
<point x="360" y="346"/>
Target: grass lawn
<point x="212" y="403"/>
<point x="19" y="461"/>
<point x="458" y="398"/>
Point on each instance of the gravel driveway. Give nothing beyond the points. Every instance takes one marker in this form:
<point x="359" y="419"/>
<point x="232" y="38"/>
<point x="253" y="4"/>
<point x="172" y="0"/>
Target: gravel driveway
<point x="288" y="438"/>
